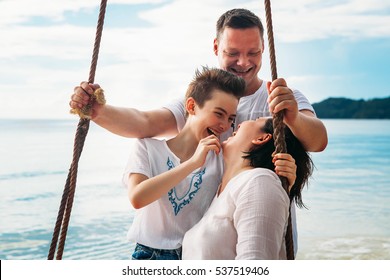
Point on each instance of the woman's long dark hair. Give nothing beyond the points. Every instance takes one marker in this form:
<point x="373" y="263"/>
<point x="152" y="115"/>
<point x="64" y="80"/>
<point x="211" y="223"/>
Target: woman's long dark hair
<point x="261" y="156"/>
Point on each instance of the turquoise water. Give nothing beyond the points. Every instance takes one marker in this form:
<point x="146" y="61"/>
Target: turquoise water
<point x="348" y="198"/>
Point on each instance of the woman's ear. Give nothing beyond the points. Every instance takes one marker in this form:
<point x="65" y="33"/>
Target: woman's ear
<point x="264" y="138"/>
<point x="190" y="105"/>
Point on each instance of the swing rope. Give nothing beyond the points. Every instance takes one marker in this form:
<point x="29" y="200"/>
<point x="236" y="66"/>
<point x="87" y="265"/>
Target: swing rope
<point x="280" y="143"/>
<point x="61" y="226"/>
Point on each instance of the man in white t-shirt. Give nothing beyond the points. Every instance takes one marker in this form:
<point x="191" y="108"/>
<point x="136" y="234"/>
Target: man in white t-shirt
<point x="239" y="46"/>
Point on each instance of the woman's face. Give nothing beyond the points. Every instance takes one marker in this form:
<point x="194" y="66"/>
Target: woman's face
<point x="243" y="137"/>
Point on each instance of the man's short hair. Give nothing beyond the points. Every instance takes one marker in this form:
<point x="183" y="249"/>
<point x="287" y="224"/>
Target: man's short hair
<point x="239" y="19"/>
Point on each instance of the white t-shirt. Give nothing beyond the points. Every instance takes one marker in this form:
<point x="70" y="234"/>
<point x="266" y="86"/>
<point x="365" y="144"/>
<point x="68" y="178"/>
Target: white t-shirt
<point x="163" y="223"/>
<point x="248" y="220"/>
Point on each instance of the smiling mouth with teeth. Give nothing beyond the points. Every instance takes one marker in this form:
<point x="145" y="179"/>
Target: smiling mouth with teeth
<point x="240" y="71"/>
<point x="211" y="132"/>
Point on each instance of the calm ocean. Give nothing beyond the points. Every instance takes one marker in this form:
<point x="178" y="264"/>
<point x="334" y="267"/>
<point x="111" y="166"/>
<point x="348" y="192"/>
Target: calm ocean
<point x="348" y="199"/>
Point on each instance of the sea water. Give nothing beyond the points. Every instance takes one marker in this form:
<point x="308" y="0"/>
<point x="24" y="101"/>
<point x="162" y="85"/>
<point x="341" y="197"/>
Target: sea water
<point x="348" y="198"/>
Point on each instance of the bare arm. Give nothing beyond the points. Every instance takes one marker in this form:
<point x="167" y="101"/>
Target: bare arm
<point x="304" y="124"/>
<point x="127" y="122"/>
<point x="143" y="190"/>
<point x="132" y="123"/>
<point x="310" y="131"/>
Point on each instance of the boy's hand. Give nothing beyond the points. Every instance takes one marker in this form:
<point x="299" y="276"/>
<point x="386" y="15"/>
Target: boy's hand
<point x="210" y="143"/>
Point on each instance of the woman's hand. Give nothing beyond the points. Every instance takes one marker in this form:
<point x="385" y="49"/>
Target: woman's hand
<point x="285" y="166"/>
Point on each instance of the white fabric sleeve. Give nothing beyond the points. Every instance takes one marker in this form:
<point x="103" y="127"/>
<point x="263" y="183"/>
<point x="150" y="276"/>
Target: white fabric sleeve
<point x="177" y="109"/>
<point x="261" y="218"/>
<point x="138" y="161"/>
<point x="303" y="102"/>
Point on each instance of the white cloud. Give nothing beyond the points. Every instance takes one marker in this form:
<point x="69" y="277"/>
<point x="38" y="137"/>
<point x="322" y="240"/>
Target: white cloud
<point x="40" y="65"/>
<point x="19" y="11"/>
<point x="305" y="20"/>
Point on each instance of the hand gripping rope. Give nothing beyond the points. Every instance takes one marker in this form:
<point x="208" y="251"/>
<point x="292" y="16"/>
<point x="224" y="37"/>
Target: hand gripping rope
<point x="65" y="209"/>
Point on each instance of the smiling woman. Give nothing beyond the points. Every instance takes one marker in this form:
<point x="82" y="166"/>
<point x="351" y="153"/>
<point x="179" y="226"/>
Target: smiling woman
<point x="251" y="208"/>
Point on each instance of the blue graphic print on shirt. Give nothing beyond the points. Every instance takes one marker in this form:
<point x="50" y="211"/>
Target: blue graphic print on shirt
<point x="177" y="200"/>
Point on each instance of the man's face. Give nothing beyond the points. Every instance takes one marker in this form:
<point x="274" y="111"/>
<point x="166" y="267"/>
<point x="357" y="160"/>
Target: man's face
<point x="240" y="52"/>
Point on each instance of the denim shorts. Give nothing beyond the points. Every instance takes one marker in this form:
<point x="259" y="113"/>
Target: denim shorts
<point x="142" y="252"/>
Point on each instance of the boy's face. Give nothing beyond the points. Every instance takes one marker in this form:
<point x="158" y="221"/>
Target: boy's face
<point x="217" y="114"/>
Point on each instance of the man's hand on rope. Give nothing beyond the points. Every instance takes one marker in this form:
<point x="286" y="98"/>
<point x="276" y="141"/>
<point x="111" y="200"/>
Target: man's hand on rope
<point x="280" y="98"/>
<point x="86" y="100"/>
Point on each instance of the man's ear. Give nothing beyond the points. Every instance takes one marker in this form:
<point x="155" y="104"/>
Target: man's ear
<point x="264" y="138"/>
<point x="190" y="105"/>
<point x="215" y="47"/>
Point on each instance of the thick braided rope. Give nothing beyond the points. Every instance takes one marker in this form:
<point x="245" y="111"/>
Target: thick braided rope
<point x="280" y="143"/>
<point x="66" y="204"/>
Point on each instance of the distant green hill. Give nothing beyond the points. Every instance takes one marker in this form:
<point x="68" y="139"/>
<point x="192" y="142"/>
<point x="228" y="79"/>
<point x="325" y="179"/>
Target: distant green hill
<point x="344" y="108"/>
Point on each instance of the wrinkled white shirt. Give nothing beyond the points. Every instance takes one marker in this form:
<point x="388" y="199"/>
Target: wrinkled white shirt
<point x="248" y="220"/>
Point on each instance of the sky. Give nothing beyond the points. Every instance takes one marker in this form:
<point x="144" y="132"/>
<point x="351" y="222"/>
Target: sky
<point x="151" y="49"/>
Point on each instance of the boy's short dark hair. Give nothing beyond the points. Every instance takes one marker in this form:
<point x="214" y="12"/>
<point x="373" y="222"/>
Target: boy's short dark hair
<point x="210" y="79"/>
